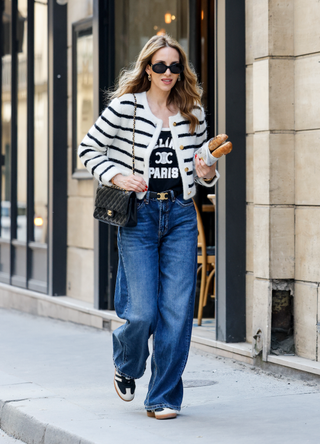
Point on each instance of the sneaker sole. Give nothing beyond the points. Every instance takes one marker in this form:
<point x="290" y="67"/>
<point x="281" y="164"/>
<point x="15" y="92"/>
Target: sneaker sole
<point x="166" y="416"/>
<point x="170" y="415"/>
<point x="119" y="393"/>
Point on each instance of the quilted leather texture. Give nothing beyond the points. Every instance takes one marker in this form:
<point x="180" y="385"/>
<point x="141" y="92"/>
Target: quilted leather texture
<point x="121" y="203"/>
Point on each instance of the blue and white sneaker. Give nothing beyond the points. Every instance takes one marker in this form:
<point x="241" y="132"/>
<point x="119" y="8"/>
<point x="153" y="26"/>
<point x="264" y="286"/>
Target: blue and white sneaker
<point x="125" y="387"/>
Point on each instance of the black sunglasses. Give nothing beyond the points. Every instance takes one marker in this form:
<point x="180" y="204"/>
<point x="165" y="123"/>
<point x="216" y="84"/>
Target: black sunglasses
<point x="161" y="68"/>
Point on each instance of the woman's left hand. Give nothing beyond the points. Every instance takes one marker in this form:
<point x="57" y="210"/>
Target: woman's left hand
<point x="203" y="170"/>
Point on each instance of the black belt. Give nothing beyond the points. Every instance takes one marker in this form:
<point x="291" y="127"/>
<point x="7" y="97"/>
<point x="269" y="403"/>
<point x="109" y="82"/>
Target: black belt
<point x="164" y="195"/>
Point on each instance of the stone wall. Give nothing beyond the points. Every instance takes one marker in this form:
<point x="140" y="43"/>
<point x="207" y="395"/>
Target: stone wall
<point x="80" y="192"/>
<point x="283" y="153"/>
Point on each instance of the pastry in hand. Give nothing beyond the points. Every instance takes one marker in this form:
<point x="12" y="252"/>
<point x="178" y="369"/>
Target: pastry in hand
<point x="225" y="148"/>
<point x="217" y="141"/>
<point x="214" y="149"/>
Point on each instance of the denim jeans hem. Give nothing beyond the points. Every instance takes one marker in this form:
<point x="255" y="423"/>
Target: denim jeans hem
<point x="121" y="373"/>
<point x="124" y="374"/>
<point x="163" y="406"/>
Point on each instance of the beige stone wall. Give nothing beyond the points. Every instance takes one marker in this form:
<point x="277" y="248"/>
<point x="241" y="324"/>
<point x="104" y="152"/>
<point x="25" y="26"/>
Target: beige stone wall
<point x="80" y="193"/>
<point x="283" y="160"/>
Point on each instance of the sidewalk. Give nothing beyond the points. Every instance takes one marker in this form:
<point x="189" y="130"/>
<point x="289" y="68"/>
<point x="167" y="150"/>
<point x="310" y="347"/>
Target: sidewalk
<point x="5" y="439"/>
<point x="56" y="387"/>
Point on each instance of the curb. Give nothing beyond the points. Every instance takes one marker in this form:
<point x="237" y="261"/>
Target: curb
<point x="34" y="415"/>
<point x="30" y="430"/>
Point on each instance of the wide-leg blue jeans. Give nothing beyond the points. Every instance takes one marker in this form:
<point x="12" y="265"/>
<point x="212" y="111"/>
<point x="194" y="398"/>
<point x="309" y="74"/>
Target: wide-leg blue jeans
<point x="155" y="293"/>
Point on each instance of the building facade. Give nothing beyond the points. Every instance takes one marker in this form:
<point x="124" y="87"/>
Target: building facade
<point x="282" y="65"/>
<point x="258" y="63"/>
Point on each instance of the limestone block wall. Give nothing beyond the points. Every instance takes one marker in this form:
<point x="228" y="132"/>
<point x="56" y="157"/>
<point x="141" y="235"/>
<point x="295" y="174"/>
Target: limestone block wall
<point x="307" y="180"/>
<point x="80" y="192"/>
<point x="283" y="156"/>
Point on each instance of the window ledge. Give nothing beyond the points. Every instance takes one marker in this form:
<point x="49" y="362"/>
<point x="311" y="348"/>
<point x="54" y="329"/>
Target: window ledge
<point x="82" y="174"/>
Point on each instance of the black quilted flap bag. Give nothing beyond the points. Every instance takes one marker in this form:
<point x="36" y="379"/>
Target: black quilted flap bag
<point x="115" y="206"/>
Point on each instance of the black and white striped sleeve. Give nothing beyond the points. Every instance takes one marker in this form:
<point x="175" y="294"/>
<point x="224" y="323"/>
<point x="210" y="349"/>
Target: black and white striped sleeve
<point x="93" y="150"/>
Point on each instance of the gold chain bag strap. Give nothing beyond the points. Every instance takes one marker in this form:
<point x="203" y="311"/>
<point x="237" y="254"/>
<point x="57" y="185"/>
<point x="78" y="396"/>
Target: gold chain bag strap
<point x="115" y="205"/>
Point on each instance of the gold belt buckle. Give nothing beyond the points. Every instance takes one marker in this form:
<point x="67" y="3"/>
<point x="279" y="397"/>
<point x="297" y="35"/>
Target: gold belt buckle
<point x="162" y="196"/>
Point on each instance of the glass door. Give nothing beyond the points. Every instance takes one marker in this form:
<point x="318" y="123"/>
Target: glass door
<point x="131" y="24"/>
<point x="124" y="27"/>
<point x="204" y="57"/>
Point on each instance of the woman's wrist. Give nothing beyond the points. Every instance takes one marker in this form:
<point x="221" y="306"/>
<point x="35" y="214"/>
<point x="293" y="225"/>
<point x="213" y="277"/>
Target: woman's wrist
<point x="210" y="179"/>
<point x="112" y="179"/>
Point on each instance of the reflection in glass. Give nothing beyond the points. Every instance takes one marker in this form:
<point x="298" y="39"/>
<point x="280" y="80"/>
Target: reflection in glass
<point x="204" y="51"/>
<point x="40" y="121"/>
<point x="138" y="20"/>
<point x="22" y="121"/>
<point x="6" y="122"/>
<point x="84" y="86"/>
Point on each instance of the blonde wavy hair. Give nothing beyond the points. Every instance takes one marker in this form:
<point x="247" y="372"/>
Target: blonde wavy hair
<point x="186" y="94"/>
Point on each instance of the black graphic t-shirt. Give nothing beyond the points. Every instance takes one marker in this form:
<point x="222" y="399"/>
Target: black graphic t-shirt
<point x="164" y="171"/>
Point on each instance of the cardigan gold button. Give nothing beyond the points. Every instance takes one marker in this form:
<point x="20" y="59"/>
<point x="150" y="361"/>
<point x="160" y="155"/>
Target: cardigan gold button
<point x="181" y="147"/>
<point x="186" y="169"/>
<point x="174" y="123"/>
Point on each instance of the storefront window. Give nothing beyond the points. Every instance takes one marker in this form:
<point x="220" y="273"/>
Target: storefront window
<point x="82" y="109"/>
<point x="138" y="20"/>
<point x="6" y="122"/>
<point x="5" y="159"/>
<point x="22" y="122"/>
<point x="24" y="159"/>
<point x="40" y="122"/>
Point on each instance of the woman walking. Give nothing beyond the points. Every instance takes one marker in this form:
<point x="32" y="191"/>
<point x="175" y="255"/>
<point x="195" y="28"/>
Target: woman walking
<point x="156" y="279"/>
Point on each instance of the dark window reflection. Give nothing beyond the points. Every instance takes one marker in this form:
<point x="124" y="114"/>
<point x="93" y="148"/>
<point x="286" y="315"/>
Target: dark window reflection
<point x="6" y="122"/>
<point x="22" y="121"/>
<point x="40" y="122"/>
<point x="138" y="20"/>
<point x="84" y="86"/>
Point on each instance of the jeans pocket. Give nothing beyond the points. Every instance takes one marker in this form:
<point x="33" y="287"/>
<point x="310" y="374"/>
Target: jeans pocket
<point x="140" y="204"/>
<point x="184" y="203"/>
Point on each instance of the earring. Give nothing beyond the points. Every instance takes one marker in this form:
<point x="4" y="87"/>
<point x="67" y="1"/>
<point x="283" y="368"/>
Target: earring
<point x="149" y="77"/>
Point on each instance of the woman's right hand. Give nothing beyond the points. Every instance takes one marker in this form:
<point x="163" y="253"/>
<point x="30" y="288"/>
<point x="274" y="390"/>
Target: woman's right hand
<point x="130" y="183"/>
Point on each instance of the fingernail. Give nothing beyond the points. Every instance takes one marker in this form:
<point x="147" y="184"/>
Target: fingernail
<point x="196" y="155"/>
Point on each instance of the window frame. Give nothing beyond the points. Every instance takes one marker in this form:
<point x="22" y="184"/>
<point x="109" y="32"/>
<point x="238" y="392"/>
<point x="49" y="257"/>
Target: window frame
<point x="77" y="27"/>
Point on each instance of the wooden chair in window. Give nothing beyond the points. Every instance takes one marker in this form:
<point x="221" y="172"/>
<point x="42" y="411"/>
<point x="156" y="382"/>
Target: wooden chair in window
<point x="206" y="262"/>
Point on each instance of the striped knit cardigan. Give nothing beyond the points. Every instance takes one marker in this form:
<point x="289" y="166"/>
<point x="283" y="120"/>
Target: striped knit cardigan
<point x="107" y="148"/>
